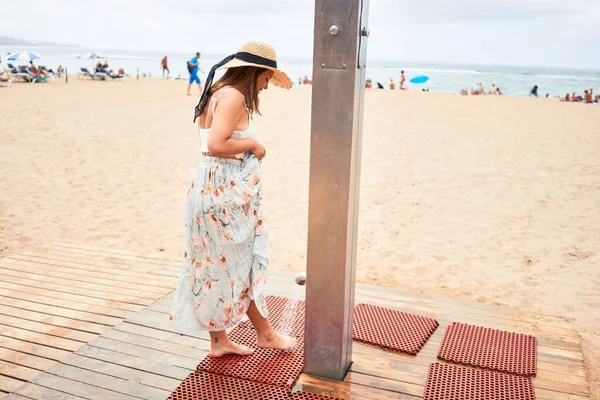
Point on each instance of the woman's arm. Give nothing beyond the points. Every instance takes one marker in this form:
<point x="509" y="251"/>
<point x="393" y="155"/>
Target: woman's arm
<point x="227" y="114"/>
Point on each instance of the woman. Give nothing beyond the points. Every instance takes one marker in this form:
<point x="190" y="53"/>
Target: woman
<point x="226" y="245"/>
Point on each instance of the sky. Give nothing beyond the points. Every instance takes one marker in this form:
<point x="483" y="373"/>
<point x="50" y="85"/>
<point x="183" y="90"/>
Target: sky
<point x="555" y="33"/>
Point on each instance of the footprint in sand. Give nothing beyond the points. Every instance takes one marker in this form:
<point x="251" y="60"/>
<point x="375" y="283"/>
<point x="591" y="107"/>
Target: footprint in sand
<point x="580" y="254"/>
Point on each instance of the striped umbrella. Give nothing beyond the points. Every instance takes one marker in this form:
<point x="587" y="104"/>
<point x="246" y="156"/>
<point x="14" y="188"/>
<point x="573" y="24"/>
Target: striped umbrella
<point x="91" y="55"/>
<point x="24" y="56"/>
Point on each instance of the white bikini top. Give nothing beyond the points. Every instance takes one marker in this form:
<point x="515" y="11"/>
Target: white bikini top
<point x="249" y="132"/>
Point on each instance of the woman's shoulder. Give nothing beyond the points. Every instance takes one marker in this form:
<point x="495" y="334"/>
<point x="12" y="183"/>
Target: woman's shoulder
<point x="229" y="94"/>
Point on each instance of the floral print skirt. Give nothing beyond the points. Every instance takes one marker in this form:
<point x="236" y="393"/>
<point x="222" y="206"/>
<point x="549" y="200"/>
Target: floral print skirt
<point x="226" y="247"/>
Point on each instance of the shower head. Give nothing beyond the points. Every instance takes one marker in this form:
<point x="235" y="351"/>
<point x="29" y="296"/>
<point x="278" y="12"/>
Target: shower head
<point x="300" y="279"/>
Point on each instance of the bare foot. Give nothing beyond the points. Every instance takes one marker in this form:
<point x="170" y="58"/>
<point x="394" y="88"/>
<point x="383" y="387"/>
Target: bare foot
<point x="219" y="350"/>
<point x="277" y="341"/>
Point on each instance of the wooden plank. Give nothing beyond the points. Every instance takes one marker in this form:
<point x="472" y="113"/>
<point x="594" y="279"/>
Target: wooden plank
<point x="364" y="292"/>
<point x="469" y="306"/>
<point x="140" y="363"/>
<point x="97" y="263"/>
<point x="167" y="273"/>
<point x="148" y="353"/>
<point x="62" y="286"/>
<point x="12" y="396"/>
<point x="81" y="275"/>
<point x="47" y="309"/>
<point x="50" y="319"/>
<point x="166" y="336"/>
<point x="116" y="254"/>
<point x="26" y="360"/>
<point x="156" y="320"/>
<point x="457" y="315"/>
<point x="36" y="392"/>
<point x="387" y="384"/>
<point x="18" y="372"/>
<point x="108" y="382"/>
<point x="69" y="282"/>
<point x="400" y="368"/>
<point x="493" y="314"/>
<point x="9" y="384"/>
<point x="94" y="267"/>
<point x="68" y="300"/>
<point x="78" y="389"/>
<point x="399" y="371"/>
<point x="347" y="390"/>
<point x="39" y="338"/>
<point x="34" y="349"/>
<point x="151" y="343"/>
<point x="118" y="371"/>
<point x="11" y="324"/>
<point x="429" y="354"/>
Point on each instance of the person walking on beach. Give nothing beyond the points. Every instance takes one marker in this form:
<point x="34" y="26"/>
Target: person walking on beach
<point x="193" y="67"/>
<point x="226" y="247"/>
<point x="164" y="66"/>
<point x="402" y="80"/>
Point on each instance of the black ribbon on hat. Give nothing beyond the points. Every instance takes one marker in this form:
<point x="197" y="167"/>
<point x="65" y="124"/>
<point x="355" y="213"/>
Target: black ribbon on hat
<point x="248" y="57"/>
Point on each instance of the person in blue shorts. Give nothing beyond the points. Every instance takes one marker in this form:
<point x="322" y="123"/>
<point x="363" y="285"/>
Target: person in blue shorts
<point x="193" y="68"/>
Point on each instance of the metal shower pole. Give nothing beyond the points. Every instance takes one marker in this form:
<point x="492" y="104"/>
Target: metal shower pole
<point x="339" y="60"/>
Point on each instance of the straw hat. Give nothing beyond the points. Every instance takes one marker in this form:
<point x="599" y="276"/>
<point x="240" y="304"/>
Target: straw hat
<point x="262" y="55"/>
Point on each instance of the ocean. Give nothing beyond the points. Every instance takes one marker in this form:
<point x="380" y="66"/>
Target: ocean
<point x="444" y="77"/>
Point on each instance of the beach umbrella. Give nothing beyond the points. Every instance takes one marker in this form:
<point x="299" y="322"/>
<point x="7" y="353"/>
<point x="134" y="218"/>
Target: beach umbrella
<point x="91" y="55"/>
<point x="419" y="79"/>
<point x="25" y="56"/>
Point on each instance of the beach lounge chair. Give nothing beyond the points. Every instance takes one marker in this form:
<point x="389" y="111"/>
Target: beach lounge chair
<point x="106" y="75"/>
<point x="85" y="73"/>
<point x="102" y="76"/>
<point x="23" y="75"/>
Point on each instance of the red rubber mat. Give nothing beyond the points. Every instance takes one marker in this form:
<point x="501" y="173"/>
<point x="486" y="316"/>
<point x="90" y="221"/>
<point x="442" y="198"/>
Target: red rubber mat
<point x="392" y="329"/>
<point x="203" y="386"/>
<point x="490" y="349"/>
<point x="452" y="382"/>
<point x="272" y="367"/>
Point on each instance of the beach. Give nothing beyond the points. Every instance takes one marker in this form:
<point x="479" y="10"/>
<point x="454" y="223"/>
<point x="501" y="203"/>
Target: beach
<point x="493" y="199"/>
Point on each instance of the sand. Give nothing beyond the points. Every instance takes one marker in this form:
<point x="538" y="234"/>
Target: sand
<point x="491" y="199"/>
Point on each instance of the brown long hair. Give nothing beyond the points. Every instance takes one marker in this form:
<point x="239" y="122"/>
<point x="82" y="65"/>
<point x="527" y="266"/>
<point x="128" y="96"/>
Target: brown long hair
<point x="245" y="78"/>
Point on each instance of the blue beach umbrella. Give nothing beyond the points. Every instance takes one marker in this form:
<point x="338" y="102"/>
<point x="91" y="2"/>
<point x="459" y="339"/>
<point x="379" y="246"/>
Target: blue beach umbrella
<point x="25" y="56"/>
<point x="91" y="55"/>
<point x="419" y="79"/>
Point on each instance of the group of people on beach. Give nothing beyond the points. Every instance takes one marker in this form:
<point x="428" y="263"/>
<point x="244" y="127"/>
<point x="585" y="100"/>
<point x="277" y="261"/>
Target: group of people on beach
<point x="478" y="90"/>
<point x="104" y="68"/>
<point x="33" y="72"/>
<point x="587" y="98"/>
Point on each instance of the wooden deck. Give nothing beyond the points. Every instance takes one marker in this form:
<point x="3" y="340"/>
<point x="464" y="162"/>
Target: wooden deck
<point x="84" y="323"/>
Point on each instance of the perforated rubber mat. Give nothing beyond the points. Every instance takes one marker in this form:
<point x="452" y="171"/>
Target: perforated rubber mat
<point x="272" y="367"/>
<point x="392" y="329"/>
<point x="204" y="386"/>
<point x="453" y="382"/>
<point x="490" y="349"/>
